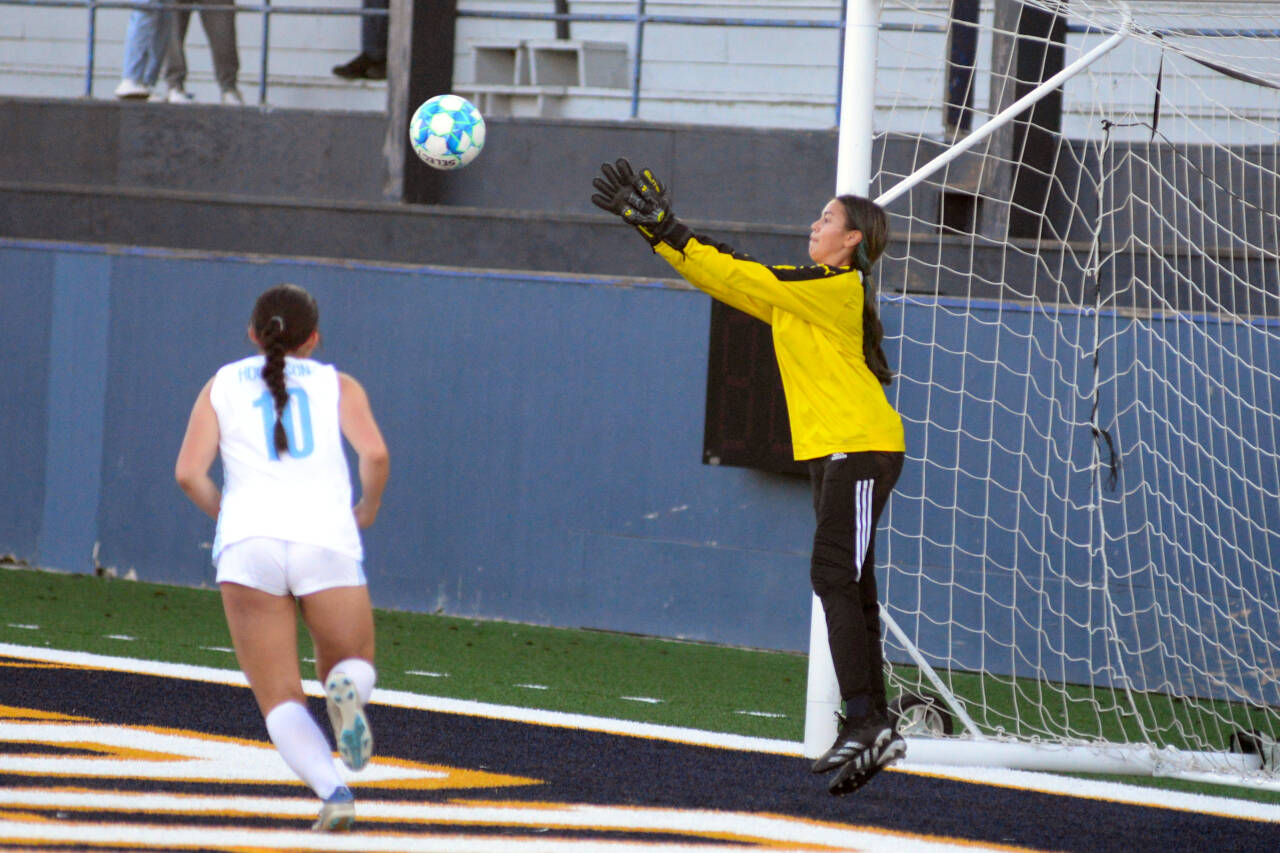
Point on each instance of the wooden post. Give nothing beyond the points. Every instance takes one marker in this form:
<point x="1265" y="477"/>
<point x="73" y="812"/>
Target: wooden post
<point x="562" y="27"/>
<point x="962" y="56"/>
<point x="420" y="47"/>
<point x="1028" y="48"/>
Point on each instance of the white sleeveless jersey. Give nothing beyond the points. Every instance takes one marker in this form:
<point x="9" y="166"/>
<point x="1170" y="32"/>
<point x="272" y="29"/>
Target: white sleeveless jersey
<point x="304" y="495"/>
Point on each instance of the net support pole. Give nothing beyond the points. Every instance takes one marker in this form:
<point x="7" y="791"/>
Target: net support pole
<point x="947" y="696"/>
<point x="853" y="175"/>
<point x="1002" y="118"/>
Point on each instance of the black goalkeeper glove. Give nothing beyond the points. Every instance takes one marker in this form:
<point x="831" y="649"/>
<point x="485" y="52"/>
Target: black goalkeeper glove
<point x="640" y="200"/>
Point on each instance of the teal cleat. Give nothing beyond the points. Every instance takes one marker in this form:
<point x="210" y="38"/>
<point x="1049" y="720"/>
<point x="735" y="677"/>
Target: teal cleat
<point x="350" y="727"/>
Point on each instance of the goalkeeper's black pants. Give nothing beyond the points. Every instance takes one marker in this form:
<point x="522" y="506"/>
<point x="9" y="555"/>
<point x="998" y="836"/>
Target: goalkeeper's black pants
<point x="849" y="493"/>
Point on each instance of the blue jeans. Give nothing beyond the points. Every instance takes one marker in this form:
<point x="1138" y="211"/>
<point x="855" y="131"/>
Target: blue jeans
<point x="145" y="42"/>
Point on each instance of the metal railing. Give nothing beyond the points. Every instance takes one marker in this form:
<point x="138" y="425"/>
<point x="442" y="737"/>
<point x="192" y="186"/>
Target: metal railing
<point x="266" y="10"/>
<point x="638" y="19"/>
<point x="641" y="18"/>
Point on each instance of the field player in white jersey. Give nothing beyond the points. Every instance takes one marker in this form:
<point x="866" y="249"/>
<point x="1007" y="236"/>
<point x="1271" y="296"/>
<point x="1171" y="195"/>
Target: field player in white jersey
<point x="287" y="531"/>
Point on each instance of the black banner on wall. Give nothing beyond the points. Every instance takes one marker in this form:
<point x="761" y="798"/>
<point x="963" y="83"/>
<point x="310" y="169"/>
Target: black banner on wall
<point x="746" y="416"/>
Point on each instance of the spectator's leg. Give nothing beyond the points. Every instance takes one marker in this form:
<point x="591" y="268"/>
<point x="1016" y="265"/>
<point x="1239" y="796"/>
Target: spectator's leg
<point x="220" y="28"/>
<point x="175" y="60"/>
<point x="373" y="33"/>
<point x="136" y="39"/>
<point x="162" y="26"/>
<point x="371" y="63"/>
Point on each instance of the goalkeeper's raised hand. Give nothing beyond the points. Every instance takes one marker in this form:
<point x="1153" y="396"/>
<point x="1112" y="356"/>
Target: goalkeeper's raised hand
<point x="640" y="200"/>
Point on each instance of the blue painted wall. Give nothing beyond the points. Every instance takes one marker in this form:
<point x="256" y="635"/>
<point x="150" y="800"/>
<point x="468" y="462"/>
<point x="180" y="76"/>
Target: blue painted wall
<point x="1012" y="548"/>
<point x="545" y="435"/>
<point x="546" y="443"/>
<point x="26" y="308"/>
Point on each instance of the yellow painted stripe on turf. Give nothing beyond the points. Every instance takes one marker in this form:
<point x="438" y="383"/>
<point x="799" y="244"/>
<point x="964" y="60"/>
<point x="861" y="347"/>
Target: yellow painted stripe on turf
<point x="117" y="751"/>
<point x="9" y="712"/>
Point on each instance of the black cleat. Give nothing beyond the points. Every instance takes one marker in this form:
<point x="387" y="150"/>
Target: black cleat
<point x="863" y="767"/>
<point x="855" y="736"/>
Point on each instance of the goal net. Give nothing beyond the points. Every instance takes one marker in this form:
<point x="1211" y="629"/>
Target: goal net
<point x="1084" y="310"/>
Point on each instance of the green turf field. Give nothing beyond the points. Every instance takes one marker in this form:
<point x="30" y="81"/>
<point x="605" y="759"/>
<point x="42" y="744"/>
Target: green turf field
<point x="590" y="672"/>
<point x="646" y="679"/>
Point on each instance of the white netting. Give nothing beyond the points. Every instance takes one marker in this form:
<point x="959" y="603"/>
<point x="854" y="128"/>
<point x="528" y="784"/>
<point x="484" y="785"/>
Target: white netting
<point x="1085" y="318"/>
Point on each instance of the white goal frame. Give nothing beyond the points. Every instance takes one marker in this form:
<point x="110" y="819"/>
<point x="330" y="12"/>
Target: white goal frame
<point x="854" y="164"/>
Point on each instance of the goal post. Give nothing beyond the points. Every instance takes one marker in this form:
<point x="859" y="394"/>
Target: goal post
<point x="853" y="175"/>
<point x="1080" y="567"/>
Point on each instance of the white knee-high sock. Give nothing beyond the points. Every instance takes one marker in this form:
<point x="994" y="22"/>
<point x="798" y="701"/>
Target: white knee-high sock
<point x="303" y="747"/>
<point x="362" y="673"/>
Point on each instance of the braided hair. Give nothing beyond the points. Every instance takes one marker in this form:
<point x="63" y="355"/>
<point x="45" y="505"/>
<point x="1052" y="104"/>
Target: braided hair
<point x="283" y="319"/>
<point x="861" y="214"/>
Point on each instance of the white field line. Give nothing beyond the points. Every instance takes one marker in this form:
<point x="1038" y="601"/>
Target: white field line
<point x="376" y="841"/>
<point x="405" y="699"/>
<point x="715" y="830"/>
<point x="1022" y="779"/>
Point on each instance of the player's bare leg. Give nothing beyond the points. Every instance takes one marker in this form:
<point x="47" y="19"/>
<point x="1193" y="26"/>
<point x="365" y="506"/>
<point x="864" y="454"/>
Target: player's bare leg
<point x="341" y="624"/>
<point x="264" y="632"/>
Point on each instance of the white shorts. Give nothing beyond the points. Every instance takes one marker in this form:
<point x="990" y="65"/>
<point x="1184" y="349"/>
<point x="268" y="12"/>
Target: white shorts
<point x="278" y="567"/>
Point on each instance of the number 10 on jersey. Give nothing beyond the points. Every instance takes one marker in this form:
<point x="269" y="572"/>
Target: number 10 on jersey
<point x="301" y="440"/>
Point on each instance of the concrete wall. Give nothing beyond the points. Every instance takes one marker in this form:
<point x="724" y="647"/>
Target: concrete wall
<point x="313" y="184"/>
<point x="544" y="165"/>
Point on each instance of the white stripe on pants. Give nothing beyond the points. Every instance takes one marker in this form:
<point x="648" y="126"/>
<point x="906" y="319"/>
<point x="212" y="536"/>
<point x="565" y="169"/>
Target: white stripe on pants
<point x="863" y="529"/>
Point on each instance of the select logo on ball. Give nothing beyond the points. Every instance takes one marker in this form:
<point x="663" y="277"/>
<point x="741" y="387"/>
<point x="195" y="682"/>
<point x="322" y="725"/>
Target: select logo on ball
<point x="447" y="132"/>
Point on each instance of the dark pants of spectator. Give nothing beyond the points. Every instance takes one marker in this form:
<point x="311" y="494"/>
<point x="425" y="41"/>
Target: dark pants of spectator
<point x="373" y="32"/>
<point x="220" y="29"/>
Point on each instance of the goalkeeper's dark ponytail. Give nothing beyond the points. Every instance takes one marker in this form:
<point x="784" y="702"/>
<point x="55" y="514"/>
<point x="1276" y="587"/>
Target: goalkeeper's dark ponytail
<point x="864" y="215"/>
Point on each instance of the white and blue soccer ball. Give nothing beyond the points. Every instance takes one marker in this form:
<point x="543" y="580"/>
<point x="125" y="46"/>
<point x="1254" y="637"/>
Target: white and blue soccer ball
<point x="447" y="132"/>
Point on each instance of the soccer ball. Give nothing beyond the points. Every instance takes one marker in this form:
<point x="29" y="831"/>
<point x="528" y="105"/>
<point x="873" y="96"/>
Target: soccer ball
<point x="447" y="132"/>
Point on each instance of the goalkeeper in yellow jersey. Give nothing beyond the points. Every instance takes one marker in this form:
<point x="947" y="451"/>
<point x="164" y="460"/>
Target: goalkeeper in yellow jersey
<point x="826" y="333"/>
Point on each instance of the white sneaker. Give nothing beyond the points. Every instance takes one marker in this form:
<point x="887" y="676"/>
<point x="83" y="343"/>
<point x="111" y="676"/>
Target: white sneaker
<point x="232" y="98"/>
<point x="350" y="728"/>
<point x="179" y="96"/>
<point x="132" y="90"/>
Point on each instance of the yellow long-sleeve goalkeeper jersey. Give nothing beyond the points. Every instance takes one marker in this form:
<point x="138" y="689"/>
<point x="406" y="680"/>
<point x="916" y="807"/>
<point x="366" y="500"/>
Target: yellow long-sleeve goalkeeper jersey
<point x="834" y="402"/>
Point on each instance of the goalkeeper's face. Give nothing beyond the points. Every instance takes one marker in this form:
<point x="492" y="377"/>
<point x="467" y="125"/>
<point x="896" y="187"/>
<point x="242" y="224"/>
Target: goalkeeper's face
<point x="831" y="241"/>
